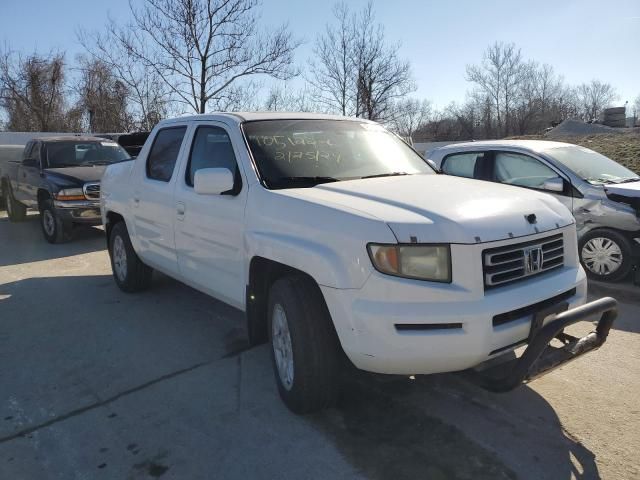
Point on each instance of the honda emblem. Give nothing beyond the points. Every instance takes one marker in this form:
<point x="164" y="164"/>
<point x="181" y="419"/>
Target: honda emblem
<point x="533" y="258"/>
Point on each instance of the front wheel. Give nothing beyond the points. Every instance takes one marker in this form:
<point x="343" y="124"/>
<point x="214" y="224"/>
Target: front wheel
<point x="53" y="228"/>
<point x="305" y="350"/>
<point x="606" y="255"/>
<point x="129" y="272"/>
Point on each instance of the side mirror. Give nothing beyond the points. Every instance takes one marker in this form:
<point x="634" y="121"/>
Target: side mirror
<point x="212" y="181"/>
<point x="29" y="162"/>
<point x="554" y="185"/>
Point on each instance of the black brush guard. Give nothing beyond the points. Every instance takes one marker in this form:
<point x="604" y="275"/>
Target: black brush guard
<point x="540" y="358"/>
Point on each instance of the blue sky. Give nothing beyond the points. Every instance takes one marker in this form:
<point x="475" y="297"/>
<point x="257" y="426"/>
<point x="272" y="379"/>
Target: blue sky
<point x="582" y="39"/>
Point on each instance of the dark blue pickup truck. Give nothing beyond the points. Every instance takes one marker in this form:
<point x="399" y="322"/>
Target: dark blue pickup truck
<point x="59" y="177"/>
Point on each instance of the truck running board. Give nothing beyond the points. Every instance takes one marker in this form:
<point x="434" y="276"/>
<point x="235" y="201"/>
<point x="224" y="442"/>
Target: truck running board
<point x="540" y="358"/>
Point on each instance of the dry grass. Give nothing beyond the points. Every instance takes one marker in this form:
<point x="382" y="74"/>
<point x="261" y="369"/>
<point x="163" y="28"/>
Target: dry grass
<point x="624" y="148"/>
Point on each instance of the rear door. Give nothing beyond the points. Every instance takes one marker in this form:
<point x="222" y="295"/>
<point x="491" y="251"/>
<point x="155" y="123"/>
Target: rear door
<point x="153" y="205"/>
<point x="209" y="228"/>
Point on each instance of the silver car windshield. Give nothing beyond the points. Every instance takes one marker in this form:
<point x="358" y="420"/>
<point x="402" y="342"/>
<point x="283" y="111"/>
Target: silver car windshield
<point x="591" y="166"/>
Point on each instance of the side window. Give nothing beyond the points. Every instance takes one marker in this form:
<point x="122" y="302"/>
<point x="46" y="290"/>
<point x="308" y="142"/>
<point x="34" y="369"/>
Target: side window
<point x="35" y="152"/>
<point x="164" y="153"/>
<point x="26" y="153"/>
<point x="211" y="148"/>
<point x="468" y="165"/>
<point x="522" y="170"/>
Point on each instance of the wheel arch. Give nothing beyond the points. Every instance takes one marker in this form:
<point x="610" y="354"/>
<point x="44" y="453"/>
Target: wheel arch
<point x="111" y="219"/>
<point x="263" y="273"/>
<point x="42" y="196"/>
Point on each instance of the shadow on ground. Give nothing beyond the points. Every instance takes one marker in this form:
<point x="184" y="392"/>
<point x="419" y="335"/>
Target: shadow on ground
<point x="76" y="341"/>
<point x="23" y="242"/>
<point x="441" y="427"/>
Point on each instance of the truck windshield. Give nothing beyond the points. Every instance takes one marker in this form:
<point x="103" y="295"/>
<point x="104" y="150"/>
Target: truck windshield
<point x="77" y="153"/>
<point x="304" y="153"/>
<point x="591" y="166"/>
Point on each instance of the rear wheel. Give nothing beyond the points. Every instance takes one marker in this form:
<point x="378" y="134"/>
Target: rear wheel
<point x="305" y="349"/>
<point x="129" y="272"/>
<point x="15" y="210"/>
<point x="606" y="255"/>
<point x="53" y="228"/>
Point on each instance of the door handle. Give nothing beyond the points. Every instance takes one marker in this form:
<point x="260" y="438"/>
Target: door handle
<point x="180" y="210"/>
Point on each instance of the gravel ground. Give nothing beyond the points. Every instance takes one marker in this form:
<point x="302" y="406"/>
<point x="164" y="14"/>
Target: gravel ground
<point x="99" y="384"/>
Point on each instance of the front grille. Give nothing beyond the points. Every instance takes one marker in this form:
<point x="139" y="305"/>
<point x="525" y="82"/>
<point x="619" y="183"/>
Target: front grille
<point x="92" y="191"/>
<point x="511" y="263"/>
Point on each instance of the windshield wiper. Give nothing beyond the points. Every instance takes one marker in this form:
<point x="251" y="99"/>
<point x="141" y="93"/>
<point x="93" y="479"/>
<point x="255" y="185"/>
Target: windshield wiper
<point x="629" y="180"/>
<point x="390" y="174"/>
<point x="600" y="180"/>
<point x="306" y="180"/>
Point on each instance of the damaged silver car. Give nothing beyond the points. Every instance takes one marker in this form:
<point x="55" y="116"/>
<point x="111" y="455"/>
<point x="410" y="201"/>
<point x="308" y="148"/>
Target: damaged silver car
<point x="603" y="195"/>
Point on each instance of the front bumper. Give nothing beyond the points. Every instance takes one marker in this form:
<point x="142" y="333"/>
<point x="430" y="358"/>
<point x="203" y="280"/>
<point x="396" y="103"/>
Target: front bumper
<point x="540" y="357"/>
<point x="81" y="211"/>
<point x="399" y="326"/>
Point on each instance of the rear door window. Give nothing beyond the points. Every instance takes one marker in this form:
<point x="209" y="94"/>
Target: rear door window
<point x="164" y="153"/>
<point x="467" y="164"/>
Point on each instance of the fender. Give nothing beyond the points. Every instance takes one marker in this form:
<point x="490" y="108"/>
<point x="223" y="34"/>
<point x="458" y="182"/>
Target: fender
<point x="327" y="267"/>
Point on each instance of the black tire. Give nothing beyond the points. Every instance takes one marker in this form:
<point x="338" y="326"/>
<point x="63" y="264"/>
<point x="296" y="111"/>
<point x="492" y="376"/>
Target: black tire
<point x="15" y="210"/>
<point x="53" y="228"/>
<point x="590" y="241"/>
<point x="316" y="351"/>
<point x="135" y="276"/>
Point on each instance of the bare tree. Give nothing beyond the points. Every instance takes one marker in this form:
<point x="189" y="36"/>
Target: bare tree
<point x="103" y="97"/>
<point x="282" y="98"/>
<point x="32" y="92"/>
<point x="148" y="96"/>
<point x="201" y="48"/>
<point x="593" y="98"/>
<point x="331" y="72"/>
<point x="355" y="71"/>
<point x="382" y="77"/>
<point x="499" y="76"/>
<point x="410" y="114"/>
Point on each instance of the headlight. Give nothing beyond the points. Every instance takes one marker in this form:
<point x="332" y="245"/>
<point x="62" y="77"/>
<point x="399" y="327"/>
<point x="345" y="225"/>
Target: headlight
<point x="422" y="262"/>
<point x="69" y="194"/>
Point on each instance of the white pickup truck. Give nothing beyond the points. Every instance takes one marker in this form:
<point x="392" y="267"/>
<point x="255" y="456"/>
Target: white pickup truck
<point x="342" y="244"/>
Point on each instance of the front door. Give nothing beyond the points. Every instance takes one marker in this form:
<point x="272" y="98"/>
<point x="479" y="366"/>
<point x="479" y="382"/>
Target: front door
<point x="209" y="228"/>
<point x="152" y="201"/>
<point x="518" y="169"/>
<point x="29" y="178"/>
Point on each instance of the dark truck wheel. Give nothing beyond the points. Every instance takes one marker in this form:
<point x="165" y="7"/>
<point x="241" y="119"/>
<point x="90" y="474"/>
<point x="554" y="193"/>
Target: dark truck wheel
<point x="53" y="228"/>
<point x="606" y="255"/>
<point x="15" y="210"/>
<point x="305" y="349"/>
<point x="130" y="274"/>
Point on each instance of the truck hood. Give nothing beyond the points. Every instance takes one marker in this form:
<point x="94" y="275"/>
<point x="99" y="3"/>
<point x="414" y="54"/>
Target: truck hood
<point x="442" y="208"/>
<point x="628" y="193"/>
<point x="81" y="175"/>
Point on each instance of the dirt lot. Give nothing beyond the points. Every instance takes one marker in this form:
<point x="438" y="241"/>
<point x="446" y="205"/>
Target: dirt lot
<point x="99" y="384"/>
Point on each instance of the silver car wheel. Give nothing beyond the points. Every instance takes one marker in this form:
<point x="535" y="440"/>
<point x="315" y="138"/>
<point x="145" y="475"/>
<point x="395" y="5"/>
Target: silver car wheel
<point x="119" y="258"/>
<point x="48" y="223"/>
<point x="602" y="256"/>
<point x="281" y="344"/>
